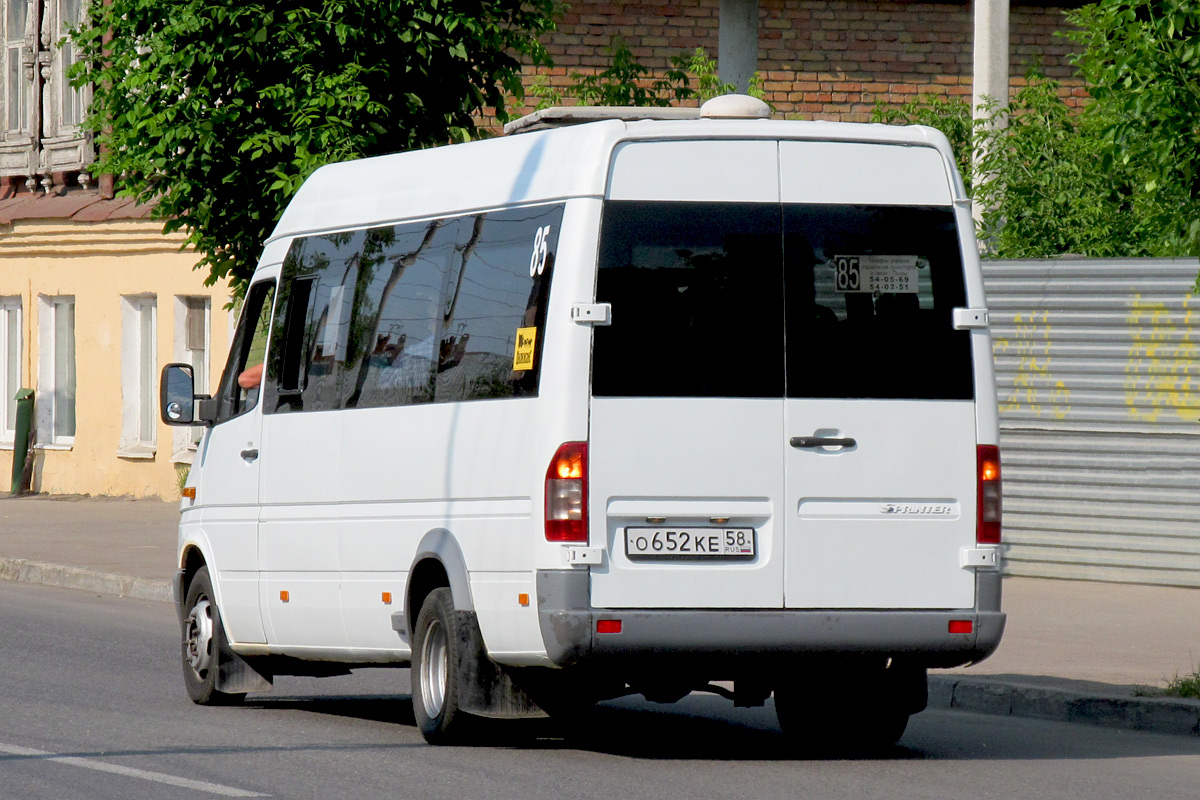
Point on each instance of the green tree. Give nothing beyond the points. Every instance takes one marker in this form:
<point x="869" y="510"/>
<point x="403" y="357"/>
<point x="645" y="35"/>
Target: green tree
<point x="624" y="82"/>
<point x="217" y="110"/>
<point x="628" y="82"/>
<point x="1037" y="170"/>
<point x="1141" y="59"/>
<point x="1040" y="180"/>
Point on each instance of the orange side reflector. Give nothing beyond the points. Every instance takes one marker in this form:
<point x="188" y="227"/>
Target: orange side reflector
<point x="387" y="598"/>
<point x="961" y="626"/>
<point x="189" y="492"/>
<point x="608" y="626"/>
<point x="523" y="599"/>
<point x="284" y="596"/>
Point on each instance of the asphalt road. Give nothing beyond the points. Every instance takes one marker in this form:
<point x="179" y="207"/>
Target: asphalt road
<point x="92" y="707"/>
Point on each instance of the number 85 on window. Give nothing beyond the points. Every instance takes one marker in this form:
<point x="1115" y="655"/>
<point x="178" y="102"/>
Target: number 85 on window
<point x="541" y="249"/>
<point x="847" y="275"/>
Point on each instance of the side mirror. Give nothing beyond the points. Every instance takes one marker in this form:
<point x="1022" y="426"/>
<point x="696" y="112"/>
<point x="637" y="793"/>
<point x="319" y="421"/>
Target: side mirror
<point x="177" y="396"/>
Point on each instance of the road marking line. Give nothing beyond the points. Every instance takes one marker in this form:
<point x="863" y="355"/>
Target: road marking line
<point x="130" y="772"/>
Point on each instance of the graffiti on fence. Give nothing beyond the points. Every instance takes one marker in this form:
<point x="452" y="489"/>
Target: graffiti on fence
<point x="1034" y="389"/>
<point x="1162" y="373"/>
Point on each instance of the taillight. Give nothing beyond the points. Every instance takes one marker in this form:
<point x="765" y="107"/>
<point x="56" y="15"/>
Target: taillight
<point x="987" y="526"/>
<point x="566" y="494"/>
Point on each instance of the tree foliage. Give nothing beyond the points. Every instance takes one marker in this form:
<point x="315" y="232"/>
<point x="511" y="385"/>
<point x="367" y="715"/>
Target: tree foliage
<point x="624" y="82"/>
<point x="217" y="110"/>
<point x="1045" y="177"/>
<point x="1041" y="184"/>
<point x="1120" y="179"/>
<point x="1141" y="62"/>
<point x="628" y="82"/>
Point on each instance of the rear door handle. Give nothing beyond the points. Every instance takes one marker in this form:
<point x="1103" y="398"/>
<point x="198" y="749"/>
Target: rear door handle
<point x="250" y="454"/>
<point x="821" y="441"/>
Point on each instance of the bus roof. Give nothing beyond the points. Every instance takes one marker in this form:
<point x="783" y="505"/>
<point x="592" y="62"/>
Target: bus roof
<point x="551" y="164"/>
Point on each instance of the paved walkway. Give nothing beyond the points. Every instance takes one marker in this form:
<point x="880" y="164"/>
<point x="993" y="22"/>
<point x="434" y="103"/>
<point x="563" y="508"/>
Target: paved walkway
<point x="1072" y="650"/>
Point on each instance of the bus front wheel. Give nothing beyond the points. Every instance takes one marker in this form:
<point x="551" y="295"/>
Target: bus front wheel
<point x="204" y="644"/>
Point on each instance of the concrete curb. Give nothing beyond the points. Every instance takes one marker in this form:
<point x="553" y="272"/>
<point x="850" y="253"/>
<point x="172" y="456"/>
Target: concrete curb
<point x="25" y="571"/>
<point x="1118" y="708"/>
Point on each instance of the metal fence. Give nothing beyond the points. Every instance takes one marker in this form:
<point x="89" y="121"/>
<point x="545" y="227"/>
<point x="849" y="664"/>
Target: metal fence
<point x="1098" y="369"/>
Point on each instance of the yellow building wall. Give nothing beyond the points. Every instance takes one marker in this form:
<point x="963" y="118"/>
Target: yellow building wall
<point x="97" y="264"/>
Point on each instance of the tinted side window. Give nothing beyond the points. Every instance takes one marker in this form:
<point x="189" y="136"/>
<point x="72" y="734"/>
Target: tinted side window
<point x="314" y="316"/>
<point x="869" y="292"/>
<point x="289" y="373"/>
<point x="242" y="379"/>
<point x="697" y="302"/>
<point x="438" y="311"/>
<point x="494" y="305"/>
<point x="397" y="327"/>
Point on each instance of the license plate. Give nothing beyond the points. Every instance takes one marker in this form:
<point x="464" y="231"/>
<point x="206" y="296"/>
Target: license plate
<point x="699" y="543"/>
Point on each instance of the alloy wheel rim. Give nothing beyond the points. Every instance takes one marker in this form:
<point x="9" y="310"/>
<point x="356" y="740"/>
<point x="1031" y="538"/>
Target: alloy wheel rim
<point x="198" y="637"/>
<point x="434" y="673"/>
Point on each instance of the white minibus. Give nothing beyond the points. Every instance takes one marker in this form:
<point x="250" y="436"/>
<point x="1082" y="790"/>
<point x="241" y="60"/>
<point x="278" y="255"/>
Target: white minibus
<point x="624" y="401"/>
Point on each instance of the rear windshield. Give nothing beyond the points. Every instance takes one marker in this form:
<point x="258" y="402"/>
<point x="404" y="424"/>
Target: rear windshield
<point x="759" y="300"/>
<point x="696" y="301"/>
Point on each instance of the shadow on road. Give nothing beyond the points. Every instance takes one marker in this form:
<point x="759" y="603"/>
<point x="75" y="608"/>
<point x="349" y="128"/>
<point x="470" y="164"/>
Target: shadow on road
<point x="705" y="728"/>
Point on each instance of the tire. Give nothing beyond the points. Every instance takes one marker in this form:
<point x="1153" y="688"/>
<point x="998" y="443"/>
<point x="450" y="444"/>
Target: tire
<point x="839" y="729"/>
<point x="437" y="651"/>
<point x="204" y="645"/>
<point x="858" y="712"/>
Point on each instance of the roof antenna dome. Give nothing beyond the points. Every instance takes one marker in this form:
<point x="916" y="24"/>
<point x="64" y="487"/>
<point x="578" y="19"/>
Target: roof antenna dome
<point x="735" y="106"/>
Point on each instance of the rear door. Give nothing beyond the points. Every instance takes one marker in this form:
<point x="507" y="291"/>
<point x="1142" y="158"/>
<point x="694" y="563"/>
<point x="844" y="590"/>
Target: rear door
<point x="879" y="416"/>
<point x="687" y="409"/>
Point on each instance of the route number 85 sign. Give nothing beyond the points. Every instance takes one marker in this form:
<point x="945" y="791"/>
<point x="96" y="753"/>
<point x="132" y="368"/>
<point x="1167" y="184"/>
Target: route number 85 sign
<point x="883" y="274"/>
<point x="541" y="251"/>
<point x="847" y="273"/>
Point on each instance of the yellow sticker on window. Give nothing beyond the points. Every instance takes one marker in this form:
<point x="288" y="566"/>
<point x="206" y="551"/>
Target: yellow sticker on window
<point x="523" y="352"/>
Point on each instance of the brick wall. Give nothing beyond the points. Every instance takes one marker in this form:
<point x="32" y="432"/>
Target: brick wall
<point x="820" y="59"/>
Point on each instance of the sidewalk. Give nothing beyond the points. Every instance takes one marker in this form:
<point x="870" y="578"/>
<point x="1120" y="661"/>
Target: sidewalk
<point x="112" y="546"/>
<point x="1075" y="651"/>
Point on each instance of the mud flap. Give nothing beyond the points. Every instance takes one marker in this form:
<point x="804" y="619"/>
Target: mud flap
<point x="485" y="689"/>
<point x="236" y="675"/>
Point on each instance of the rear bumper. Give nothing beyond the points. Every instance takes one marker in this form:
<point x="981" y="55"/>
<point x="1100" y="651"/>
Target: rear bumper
<point x="568" y="626"/>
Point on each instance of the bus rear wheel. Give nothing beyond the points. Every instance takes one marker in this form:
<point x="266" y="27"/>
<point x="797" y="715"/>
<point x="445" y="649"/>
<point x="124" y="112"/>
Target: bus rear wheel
<point x="437" y="650"/>
<point x="847" y="728"/>
<point x="850" y="708"/>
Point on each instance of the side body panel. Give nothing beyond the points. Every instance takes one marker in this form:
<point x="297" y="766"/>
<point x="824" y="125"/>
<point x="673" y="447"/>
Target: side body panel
<point x="349" y="493"/>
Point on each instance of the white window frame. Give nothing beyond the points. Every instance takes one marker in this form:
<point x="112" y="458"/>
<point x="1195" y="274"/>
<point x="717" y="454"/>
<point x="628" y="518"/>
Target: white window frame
<point x="184" y="440"/>
<point x="34" y="60"/>
<point x="71" y="103"/>
<point x="13" y="363"/>
<point x="16" y="98"/>
<point x="139" y="370"/>
<point x="52" y="357"/>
